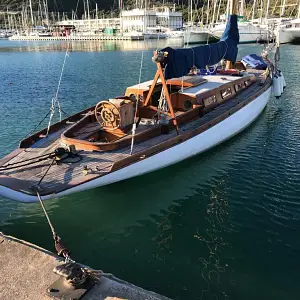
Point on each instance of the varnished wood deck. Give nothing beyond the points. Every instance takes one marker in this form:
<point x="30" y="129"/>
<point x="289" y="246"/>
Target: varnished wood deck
<point x="66" y="175"/>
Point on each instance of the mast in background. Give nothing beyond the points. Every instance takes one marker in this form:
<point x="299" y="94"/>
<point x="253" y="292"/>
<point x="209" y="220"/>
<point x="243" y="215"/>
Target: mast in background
<point x="31" y="13"/>
<point x="88" y="12"/>
<point x="97" y="16"/>
<point x="261" y="10"/>
<point x="45" y="3"/>
<point x="282" y="9"/>
<point x="253" y="11"/>
<point x="191" y="12"/>
<point x="242" y="8"/>
<point x="267" y="11"/>
<point x="214" y="11"/>
<point x="218" y="13"/>
<point x="121" y="18"/>
<point x="227" y="10"/>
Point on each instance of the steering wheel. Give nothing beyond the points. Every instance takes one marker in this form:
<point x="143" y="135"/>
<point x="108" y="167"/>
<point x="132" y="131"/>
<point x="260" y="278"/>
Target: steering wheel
<point x="108" y="116"/>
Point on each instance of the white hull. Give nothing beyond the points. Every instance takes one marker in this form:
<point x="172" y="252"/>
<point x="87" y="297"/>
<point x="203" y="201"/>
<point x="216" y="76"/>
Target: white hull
<point x="154" y="36"/>
<point x="196" y="145"/>
<point x="288" y="35"/>
<point x="249" y="33"/>
<point x="195" y="37"/>
<point x="289" y="31"/>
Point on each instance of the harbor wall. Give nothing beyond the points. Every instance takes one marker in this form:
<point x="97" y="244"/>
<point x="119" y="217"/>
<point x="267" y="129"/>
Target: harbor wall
<point x="26" y="271"/>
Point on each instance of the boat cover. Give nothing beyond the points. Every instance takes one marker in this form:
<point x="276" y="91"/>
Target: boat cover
<point x="254" y="61"/>
<point x="180" y="61"/>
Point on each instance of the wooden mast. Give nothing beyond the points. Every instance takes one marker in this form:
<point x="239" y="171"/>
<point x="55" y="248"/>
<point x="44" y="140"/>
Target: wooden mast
<point x="232" y="11"/>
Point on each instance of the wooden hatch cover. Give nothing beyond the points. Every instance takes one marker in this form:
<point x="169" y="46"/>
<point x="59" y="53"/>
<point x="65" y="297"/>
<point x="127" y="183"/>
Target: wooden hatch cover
<point x="187" y="81"/>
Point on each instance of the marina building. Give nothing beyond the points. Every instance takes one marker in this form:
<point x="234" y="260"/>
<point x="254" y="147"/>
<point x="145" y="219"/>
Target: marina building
<point x="169" y="19"/>
<point x="136" y="20"/>
<point x="92" y="25"/>
<point x="139" y="20"/>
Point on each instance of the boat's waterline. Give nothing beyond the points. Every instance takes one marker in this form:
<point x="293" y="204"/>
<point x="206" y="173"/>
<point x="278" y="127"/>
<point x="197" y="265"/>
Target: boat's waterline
<point x="196" y="145"/>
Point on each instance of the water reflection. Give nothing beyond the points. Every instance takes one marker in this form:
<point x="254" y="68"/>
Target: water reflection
<point x="216" y="262"/>
<point x="86" y="46"/>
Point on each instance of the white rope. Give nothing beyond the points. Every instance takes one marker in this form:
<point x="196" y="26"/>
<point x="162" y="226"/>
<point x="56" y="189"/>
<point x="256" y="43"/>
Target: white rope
<point x="46" y="215"/>
<point x="136" y="105"/>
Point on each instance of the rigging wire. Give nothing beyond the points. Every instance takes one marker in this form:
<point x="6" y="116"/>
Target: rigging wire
<point x="55" y="101"/>
<point x="35" y="127"/>
<point x="136" y="104"/>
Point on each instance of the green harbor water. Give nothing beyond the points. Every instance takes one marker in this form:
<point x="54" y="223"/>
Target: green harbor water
<point x="223" y="225"/>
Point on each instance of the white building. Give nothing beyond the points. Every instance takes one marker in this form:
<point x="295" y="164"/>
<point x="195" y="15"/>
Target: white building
<point x="139" y="20"/>
<point x="169" y="19"/>
<point x="92" y="24"/>
<point x="142" y="20"/>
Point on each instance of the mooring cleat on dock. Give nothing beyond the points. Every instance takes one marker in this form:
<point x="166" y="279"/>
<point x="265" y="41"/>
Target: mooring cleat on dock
<point x="73" y="284"/>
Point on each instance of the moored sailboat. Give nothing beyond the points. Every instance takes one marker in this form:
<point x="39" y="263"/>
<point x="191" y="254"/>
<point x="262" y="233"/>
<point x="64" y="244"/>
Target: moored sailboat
<point x="289" y="32"/>
<point x="184" y="111"/>
<point x="249" y="33"/>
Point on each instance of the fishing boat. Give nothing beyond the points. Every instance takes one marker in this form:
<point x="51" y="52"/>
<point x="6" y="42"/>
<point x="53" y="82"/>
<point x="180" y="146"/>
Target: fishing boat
<point x="185" y="110"/>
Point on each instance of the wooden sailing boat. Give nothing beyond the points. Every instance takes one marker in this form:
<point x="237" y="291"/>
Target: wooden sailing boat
<point x="157" y="123"/>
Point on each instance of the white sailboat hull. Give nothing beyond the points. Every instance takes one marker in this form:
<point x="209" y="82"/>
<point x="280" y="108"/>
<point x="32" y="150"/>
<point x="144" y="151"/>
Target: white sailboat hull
<point x="196" y="145"/>
<point x="289" y="35"/>
<point x="249" y="33"/>
<point x="195" y="37"/>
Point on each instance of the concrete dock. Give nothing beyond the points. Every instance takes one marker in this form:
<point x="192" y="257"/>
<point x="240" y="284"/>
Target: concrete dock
<point x="26" y="271"/>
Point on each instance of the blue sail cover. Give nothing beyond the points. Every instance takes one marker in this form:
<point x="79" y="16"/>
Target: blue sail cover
<point x="180" y="61"/>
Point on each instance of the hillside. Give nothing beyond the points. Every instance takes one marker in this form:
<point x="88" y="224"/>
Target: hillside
<point x="57" y="5"/>
<point x="69" y="5"/>
<point x="110" y="7"/>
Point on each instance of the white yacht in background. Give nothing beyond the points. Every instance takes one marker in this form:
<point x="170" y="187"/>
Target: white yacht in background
<point x="155" y="33"/>
<point x="249" y="33"/>
<point x="174" y="34"/>
<point x="5" y="34"/>
<point x="196" y="35"/>
<point x="289" y="31"/>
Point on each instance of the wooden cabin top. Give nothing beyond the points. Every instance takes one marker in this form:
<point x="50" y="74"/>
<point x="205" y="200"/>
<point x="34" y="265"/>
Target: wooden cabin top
<point x="140" y="88"/>
<point x="189" y="83"/>
<point x="215" y="81"/>
<point x="185" y="82"/>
